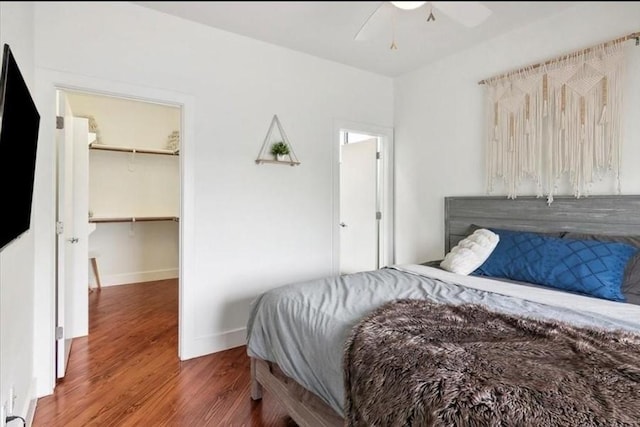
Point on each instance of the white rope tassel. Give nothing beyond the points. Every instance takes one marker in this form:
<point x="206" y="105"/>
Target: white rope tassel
<point x="603" y="115"/>
<point x="619" y="77"/>
<point x="490" y="155"/>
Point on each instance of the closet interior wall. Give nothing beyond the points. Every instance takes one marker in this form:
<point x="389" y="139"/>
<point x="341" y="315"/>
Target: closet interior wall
<point x="132" y="184"/>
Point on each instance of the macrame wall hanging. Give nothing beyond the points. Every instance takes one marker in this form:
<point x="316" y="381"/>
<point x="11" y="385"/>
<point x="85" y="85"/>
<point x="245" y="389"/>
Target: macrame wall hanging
<point x="557" y="120"/>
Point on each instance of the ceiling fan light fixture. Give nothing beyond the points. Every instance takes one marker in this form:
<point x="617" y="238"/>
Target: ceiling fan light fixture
<point x="408" y="5"/>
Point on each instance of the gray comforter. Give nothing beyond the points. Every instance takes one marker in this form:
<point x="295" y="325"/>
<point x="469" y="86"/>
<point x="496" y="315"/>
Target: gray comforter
<point x="303" y="327"/>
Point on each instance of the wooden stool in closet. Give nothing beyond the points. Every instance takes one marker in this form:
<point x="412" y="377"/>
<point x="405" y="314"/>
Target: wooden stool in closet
<point x="93" y="256"/>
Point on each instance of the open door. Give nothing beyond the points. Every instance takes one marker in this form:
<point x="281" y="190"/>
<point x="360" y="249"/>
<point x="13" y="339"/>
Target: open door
<point x="64" y="142"/>
<point x="72" y="231"/>
<point x="359" y="244"/>
<point x="78" y="262"/>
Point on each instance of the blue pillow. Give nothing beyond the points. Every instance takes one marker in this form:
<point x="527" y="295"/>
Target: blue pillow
<point x="589" y="267"/>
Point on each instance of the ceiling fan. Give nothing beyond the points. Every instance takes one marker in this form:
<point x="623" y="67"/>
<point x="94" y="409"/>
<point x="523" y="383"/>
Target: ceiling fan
<point x="467" y="13"/>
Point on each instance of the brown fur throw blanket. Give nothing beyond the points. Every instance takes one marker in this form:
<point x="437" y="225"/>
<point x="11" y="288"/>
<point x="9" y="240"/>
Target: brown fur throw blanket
<point x="416" y="363"/>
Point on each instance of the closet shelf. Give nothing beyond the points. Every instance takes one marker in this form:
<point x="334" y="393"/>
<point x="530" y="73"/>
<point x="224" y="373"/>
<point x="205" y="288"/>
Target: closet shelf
<point x="134" y="219"/>
<point x="94" y="146"/>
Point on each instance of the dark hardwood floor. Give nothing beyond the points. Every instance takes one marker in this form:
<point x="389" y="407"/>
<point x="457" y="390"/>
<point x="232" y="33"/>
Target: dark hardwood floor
<point x="127" y="371"/>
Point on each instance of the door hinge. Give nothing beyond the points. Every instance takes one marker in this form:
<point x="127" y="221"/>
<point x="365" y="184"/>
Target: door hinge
<point x="378" y="215"/>
<point x="59" y="227"/>
<point x="59" y="332"/>
<point x="378" y="155"/>
<point x="59" y="122"/>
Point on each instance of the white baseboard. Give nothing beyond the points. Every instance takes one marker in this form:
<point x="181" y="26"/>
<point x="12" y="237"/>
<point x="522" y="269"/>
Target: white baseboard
<point x="137" y="277"/>
<point x="214" y="343"/>
<point x="31" y="412"/>
<point x="31" y="403"/>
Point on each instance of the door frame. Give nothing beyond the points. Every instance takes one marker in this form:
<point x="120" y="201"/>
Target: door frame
<point x="386" y="193"/>
<point x="47" y="83"/>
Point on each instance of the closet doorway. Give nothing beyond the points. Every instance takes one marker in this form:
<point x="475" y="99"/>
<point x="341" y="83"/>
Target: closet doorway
<point x="118" y="200"/>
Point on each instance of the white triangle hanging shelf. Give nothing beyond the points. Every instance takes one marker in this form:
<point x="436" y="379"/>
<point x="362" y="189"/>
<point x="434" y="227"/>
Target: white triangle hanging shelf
<point x="266" y="155"/>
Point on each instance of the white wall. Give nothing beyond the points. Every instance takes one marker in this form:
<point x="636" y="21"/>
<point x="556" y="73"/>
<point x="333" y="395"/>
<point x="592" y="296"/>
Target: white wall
<point x="439" y="118"/>
<point x="124" y="185"/>
<point x="255" y="226"/>
<point x="135" y="252"/>
<point x="127" y="122"/>
<point x="17" y="259"/>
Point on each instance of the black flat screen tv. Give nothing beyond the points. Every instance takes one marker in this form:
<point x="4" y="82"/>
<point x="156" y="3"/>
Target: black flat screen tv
<point x="19" y="125"/>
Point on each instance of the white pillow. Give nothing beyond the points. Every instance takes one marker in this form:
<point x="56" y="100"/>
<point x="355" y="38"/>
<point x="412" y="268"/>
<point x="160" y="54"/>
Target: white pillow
<point x="470" y="253"/>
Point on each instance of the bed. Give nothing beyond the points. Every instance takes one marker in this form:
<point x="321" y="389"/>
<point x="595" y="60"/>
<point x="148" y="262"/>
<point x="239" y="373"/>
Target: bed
<point x="297" y="333"/>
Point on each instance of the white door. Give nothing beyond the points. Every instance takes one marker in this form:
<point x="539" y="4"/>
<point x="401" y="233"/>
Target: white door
<point x="78" y="261"/>
<point x="358" y="206"/>
<point x="72" y="231"/>
<point x="64" y="142"/>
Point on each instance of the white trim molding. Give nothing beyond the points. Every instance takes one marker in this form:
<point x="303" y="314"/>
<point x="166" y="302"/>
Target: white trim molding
<point x="137" y="277"/>
<point x="202" y="346"/>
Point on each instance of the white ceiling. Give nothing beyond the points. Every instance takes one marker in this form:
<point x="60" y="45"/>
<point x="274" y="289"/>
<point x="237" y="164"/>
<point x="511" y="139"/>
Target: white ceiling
<point x="327" y="29"/>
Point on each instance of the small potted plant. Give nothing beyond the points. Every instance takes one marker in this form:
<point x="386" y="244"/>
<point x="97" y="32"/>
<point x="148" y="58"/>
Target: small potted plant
<point x="279" y="150"/>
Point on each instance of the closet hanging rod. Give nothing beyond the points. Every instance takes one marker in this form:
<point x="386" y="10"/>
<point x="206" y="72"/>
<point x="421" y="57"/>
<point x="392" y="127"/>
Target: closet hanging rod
<point x="94" y="146"/>
<point x="135" y="219"/>
<point x="631" y="36"/>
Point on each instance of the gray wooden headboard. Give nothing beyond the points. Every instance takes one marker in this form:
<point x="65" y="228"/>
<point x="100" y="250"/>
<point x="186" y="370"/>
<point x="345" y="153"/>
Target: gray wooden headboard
<point x="614" y="215"/>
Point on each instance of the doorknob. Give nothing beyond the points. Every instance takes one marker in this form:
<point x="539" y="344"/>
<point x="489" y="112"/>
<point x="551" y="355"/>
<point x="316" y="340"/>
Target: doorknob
<point x="342" y="224"/>
<point x="73" y="240"/>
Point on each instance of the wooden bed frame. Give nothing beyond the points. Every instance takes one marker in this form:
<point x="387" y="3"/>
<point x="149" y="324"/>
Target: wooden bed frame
<point x="304" y="407"/>
<point x="612" y="215"/>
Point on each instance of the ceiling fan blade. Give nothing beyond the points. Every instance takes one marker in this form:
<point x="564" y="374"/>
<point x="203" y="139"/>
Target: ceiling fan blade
<point x="359" y="34"/>
<point x="468" y="13"/>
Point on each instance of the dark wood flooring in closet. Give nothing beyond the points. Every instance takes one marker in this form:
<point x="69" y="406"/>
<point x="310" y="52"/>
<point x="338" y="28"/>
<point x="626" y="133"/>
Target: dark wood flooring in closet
<point x="127" y="371"/>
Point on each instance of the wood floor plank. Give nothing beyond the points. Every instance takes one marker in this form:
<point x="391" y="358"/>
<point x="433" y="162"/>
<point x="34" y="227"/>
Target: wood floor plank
<point x="127" y="371"/>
